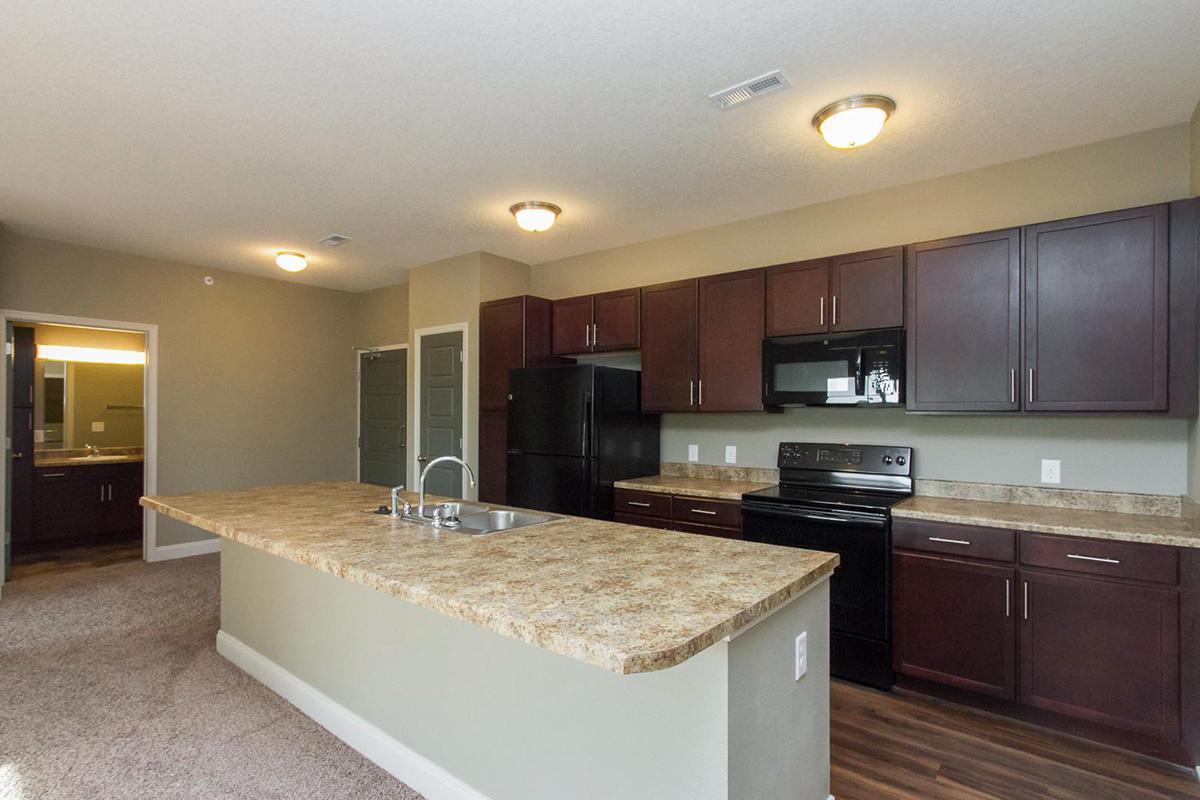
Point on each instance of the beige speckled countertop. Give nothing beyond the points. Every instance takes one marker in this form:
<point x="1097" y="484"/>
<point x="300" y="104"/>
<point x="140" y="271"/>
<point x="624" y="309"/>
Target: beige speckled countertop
<point x="692" y="487"/>
<point x="69" y="461"/>
<point x="1152" y="529"/>
<point x="624" y="598"/>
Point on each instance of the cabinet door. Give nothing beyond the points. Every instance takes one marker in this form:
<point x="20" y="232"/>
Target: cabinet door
<point x="798" y="298"/>
<point x="617" y="320"/>
<point x="501" y="348"/>
<point x="731" y="333"/>
<point x="122" y="514"/>
<point x="1096" y="312"/>
<point x="964" y="323"/>
<point x="493" y="458"/>
<point x="953" y="623"/>
<point x="573" y="325"/>
<point x="669" y="346"/>
<point x="66" y="509"/>
<point x="22" y="374"/>
<point x="1101" y="651"/>
<point x="867" y="290"/>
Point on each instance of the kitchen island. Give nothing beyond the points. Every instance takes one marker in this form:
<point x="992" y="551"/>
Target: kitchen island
<point x="571" y="659"/>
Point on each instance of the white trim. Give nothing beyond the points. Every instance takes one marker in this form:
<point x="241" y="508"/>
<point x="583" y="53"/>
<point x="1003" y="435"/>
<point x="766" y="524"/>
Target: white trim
<point x="150" y="390"/>
<point x="202" y="547"/>
<point x="376" y="745"/>
<point x="358" y="352"/>
<point x="469" y="493"/>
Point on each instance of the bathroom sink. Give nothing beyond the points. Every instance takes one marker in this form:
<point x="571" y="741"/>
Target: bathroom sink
<point x="99" y="458"/>
<point x="498" y="520"/>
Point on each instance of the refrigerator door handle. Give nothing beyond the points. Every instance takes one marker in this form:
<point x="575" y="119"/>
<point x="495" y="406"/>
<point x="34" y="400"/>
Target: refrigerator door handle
<point x="587" y="412"/>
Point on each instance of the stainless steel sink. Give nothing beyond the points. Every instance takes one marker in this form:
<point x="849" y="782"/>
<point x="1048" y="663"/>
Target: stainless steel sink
<point x="499" y="520"/>
<point x="455" y="509"/>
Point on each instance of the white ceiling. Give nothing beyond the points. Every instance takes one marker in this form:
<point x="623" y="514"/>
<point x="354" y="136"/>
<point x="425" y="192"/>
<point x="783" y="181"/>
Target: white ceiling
<point x="218" y="132"/>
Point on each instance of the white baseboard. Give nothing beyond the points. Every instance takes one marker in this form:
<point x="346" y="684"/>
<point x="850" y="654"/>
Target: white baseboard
<point x="406" y="765"/>
<point x="184" y="550"/>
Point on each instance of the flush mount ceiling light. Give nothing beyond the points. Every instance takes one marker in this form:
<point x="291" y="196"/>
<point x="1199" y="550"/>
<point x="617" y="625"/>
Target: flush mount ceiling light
<point x="291" y="260"/>
<point x="854" y="121"/>
<point x="535" y="216"/>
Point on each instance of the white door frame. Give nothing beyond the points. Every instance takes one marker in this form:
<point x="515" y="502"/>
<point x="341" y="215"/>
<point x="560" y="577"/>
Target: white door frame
<point x="358" y="354"/>
<point x="469" y="492"/>
<point x="151" y="551"/>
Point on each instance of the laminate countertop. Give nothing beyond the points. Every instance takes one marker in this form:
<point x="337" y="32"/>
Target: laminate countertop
<point x="1147" y="528"/>
<point x="84" y="461"/>
<point x="718" y="489"/>
<point x="621" y="597"/>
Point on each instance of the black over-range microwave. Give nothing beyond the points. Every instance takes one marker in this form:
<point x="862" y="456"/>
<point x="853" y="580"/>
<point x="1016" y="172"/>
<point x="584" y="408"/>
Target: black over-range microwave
<point x="865" y="368"/>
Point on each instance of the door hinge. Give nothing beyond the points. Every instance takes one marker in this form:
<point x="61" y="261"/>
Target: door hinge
<point x="460" y="356"/>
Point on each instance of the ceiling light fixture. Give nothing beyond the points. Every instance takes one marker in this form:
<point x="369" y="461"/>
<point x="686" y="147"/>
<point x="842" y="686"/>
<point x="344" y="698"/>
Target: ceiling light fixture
<point x="854" y="121"/>
<point x="291" y="260"/>
<point x="535" y="216"/>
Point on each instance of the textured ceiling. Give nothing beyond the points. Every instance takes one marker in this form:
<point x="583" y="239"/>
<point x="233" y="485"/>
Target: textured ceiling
<point x="218" y="132"/>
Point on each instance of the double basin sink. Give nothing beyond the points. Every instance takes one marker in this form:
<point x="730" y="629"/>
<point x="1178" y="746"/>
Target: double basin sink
<point x="475" y="520"/>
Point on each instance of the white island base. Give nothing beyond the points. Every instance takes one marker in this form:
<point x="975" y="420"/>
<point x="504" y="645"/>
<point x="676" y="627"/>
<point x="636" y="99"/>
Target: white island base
<point x="458" y="712"/>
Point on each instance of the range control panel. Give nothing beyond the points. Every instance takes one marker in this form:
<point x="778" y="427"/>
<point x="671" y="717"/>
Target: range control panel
<point x="869" y="458"/>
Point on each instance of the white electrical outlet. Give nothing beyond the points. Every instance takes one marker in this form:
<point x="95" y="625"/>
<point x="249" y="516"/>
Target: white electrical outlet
<point x="730" y="454"/>
<point x="801" y="655"/>
<point x="97" y="427"/>
<point x="693" y="452"/>
<point x="1051" y="470"/>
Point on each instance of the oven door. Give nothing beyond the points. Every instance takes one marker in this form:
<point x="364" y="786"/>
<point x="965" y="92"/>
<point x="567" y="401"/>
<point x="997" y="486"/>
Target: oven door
<point x="859" y="591"/>
<point x="835" y="369"/>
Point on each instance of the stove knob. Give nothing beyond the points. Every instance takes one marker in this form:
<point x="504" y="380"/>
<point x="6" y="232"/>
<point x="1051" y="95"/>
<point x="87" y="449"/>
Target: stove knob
<point x="901" y="460"/>
<point x="887" y="459"/>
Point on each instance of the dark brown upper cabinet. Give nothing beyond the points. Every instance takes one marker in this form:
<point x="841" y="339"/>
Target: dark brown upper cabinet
<point x="1096" y="306"/>
<point x="598" y="323"/>
<point x="866" y="290"/>
<point x="513" y="332"/>
<point x="670" y="346"/>
<point x="24" y="350"/>
<point x="731" y="324"/>
<point x="964" y="323"/>
<point x="797" y="298"/>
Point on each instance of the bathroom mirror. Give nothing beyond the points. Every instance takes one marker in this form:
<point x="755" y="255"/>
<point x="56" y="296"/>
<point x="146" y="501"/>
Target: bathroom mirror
<point x="79" y="403"/>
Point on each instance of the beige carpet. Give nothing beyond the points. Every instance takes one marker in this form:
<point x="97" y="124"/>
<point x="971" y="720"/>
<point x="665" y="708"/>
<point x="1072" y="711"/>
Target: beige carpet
<point x="110" y="687"/>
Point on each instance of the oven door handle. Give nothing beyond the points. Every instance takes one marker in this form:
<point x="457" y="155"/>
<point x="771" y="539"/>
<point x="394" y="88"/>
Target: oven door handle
<point x="850" y="518"/>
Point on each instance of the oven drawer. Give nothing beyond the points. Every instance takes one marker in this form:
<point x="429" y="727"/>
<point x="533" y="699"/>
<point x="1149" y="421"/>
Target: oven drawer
<point x="646" y="504"/>
<point x="707" y="512"/>
<point x="968" y="541"/>
<point x="1134" y="560"/>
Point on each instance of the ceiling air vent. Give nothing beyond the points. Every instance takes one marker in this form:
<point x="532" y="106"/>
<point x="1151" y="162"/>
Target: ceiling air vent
<point x="334" y="240"/>
<point x="749" y="90"/>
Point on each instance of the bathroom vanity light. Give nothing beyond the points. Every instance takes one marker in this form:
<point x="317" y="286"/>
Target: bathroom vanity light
<point x="535" y="216"/>
<point x="854" y="121"/>
<point x="90" y="355"/>
<point x="291" y="260"/>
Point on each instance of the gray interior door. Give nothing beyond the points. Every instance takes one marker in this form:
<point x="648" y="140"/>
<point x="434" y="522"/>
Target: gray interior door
<point x="383" y="417"/>
<point x="441" y="387"/>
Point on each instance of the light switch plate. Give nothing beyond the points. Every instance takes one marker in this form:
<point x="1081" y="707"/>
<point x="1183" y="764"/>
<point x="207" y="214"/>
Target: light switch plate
<point x="693" y="452"/>
<point x="98" y="427"/>
<point x="1051" y="470"/>
<point x="730" y="454"/>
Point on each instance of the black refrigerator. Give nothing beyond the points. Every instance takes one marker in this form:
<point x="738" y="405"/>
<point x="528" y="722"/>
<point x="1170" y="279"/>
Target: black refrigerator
<point x="572" y="431"/>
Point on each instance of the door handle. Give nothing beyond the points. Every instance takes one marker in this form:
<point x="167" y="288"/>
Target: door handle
<point x="422" y="458"/>
<point x="835" y="309"/>
<point x="691" y="393"/>
<point x="1031" y="384"/>
<point x="595" y="333"/>
<point x="587" y="335"/>
<point x="1012" y="386"/>
<point x="1025" y="601"/>
<point x="102" y="493"/>
<point x="701" y="392"/>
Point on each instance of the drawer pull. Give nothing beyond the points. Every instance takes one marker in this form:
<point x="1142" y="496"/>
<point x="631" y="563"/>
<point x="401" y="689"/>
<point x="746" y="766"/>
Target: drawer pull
<point x="54" y="474"/>
<point x="1025" y="603"/>
<point x="1007" y="597"/>
<point x="949" y="541"/>
<point x="702" y="511"/>
<point x="636" y="503"/>
<point x="1094" y="558"/>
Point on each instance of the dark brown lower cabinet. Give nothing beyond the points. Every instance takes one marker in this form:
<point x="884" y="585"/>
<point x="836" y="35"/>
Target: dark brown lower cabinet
<point x="493" y="457"/>
<point x="954" y="623"/>
<point x="701" y="515"/>
<point x="1102" y="651"/>
<point x="85" y="504"/>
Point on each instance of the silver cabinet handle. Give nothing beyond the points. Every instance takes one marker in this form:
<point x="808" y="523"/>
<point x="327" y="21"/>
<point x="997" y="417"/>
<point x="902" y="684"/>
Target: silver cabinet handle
<point x="587" y="335"/>
<point x="835" y="309"/>
<point x="821" y="312"/>
<point x="691" y="393"/>
<point x="1025" y="601"/>
<point x="949" y="541"/>
<point x="1094" y="558"/>
<point x="54" y="474"/>
<point x="102" y="493"/>
<point x="701" y="392"/>
<point x="702" y="511"/>
<point x="1007" y="597"/>
<point x="638" y="504"/>
<point x="110" y="493"/>
<point x="17" y="455"/>
<point x="1012" y="386"/>
<point x="595" y="333"/>
<point x="1031" y="384"/>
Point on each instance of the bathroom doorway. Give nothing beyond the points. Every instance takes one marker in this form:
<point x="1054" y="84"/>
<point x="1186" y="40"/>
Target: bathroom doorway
<point x="80" y="428"/>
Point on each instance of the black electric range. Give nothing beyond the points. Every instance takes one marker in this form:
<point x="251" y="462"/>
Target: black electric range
<point x="838" y="498"/>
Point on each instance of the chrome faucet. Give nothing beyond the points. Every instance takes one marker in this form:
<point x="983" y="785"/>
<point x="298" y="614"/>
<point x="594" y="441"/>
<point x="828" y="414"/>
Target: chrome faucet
<point x="93" y="449"/>
<point x="437" y="518"/>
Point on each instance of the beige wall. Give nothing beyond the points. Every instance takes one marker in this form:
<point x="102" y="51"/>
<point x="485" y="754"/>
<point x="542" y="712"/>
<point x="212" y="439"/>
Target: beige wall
<point x="256" y="376"/>
<point x="382" y="317"/>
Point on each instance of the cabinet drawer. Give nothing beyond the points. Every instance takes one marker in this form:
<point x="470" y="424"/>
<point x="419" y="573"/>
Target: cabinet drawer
<point x="57" y="473"/>
<point x="1143" y="562"/>
<point x="644" y="522"/>
<point x="993" y="544"/>
<point x="708" y="530"/>
<point x="647" y="504"/>
<point x="722" y="514"/>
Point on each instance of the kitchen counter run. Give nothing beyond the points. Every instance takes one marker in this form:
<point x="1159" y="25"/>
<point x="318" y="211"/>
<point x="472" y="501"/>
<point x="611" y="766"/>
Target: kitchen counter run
<point x="718" y="489"/>
<point x="624" y="598"/>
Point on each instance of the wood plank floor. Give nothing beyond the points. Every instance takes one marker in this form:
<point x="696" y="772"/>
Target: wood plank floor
<point x="903" y="746"/>
<point x="75" y="558"/>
